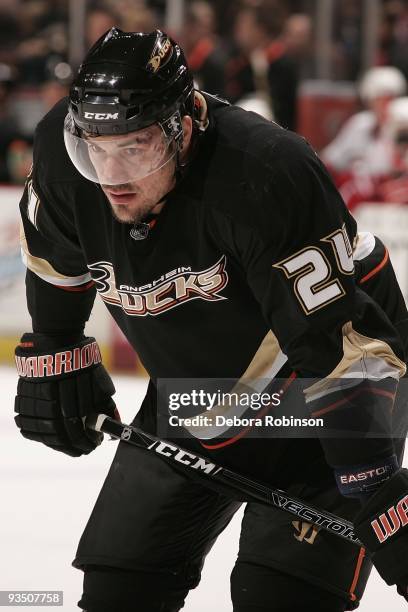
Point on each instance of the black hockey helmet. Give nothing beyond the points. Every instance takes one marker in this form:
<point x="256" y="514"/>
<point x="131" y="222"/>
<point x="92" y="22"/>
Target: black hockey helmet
<point x="130" y="80"/>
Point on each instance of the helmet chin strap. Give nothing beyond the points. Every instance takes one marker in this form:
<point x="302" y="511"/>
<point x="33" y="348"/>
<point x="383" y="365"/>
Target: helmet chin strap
<point x="179" y="171"/>
<point x="181" y="166"/>
<point x="141" y="229"/>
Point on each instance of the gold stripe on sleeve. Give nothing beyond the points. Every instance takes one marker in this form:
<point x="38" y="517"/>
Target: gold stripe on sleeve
<point x="42" y="268"/>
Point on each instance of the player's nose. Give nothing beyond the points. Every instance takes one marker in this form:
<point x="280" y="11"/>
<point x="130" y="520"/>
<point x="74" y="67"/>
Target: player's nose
<point x="111" y="171"/>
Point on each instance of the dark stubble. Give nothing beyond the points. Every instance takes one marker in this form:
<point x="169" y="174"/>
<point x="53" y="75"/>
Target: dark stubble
<point x="132" y="216"/>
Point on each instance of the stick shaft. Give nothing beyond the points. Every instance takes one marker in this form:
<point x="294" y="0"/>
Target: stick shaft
<point x="203" y="466"/>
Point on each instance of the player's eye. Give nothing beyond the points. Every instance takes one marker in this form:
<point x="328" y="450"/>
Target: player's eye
<point x="132" y="151"/>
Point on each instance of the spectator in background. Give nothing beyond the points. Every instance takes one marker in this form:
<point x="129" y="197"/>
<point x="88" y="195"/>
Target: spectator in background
<point x="43" y="75"/>
<point x="361" y="139"/>
<point x="394" y="40"/>
<point x="99" y="19"/>
<point x="48" y="12"/>
<point x="205" y="55"/>
<point x="385" y="36"/>
<point x="262" y="64"/>
<point x="347" y="33"/>
<point x="9" y="131"/>
<point x="10" y="32"/>
<point x="34" y="37"/>
<point x="51" y="91"/>
<point x="392" y="185"/>
<point x="298" y="40"/>
<point x="135" y="15"/>
<point x="397" y="124"/>
<point x="40" y="53"/>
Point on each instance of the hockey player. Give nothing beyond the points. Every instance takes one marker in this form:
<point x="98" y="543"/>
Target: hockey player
<point x="222" y="249"/>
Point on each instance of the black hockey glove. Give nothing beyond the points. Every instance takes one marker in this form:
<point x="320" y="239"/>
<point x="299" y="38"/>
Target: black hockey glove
<point x="58" y="388"/>
<point x="382" y="526"/>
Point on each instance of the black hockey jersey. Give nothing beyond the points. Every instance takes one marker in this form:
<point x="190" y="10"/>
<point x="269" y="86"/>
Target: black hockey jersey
<point x="249" y="271"/>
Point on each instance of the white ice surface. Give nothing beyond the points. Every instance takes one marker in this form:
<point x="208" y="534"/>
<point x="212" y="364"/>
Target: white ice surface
<point x="46" y="498"/>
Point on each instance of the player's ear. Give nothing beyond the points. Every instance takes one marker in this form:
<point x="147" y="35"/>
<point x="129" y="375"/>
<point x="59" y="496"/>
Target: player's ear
<point x="187" y="124"/>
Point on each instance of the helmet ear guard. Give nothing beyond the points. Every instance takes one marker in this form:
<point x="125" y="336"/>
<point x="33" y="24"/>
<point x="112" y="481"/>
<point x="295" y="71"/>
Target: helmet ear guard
<point x="173" y="128"/>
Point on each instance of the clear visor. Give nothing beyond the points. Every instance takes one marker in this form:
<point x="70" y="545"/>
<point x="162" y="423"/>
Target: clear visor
<point x="115" y="160"/>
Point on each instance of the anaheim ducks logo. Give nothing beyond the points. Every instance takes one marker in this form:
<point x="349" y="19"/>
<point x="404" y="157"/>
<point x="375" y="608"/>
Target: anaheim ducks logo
<point x="160" y="56"/>
<point x="168" y="291"/>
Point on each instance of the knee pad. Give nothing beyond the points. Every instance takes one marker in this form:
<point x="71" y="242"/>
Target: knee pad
<point x="257" y="588"/>
<point x="108" y="589"/>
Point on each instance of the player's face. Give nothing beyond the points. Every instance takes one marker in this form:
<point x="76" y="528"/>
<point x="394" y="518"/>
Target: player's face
<point x="121" y="159"/>
<point x="130" y="202"/>
<point x="145" y="155"/>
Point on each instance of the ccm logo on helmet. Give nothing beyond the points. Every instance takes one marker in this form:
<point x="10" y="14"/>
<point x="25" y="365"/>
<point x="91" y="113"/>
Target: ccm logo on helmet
<point x="101" y="116"/>
<point x="391" y="521"/>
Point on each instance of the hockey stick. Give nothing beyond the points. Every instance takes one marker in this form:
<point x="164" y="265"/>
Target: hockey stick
<point x="255" y="490"/>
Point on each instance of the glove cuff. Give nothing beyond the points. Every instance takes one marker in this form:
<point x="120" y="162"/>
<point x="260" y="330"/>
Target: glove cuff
<point x="363" y="480"/>
<point x="39" y="359"/>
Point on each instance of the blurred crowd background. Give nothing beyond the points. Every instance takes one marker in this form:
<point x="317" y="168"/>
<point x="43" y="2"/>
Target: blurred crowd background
<point x="333" y="70"/>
